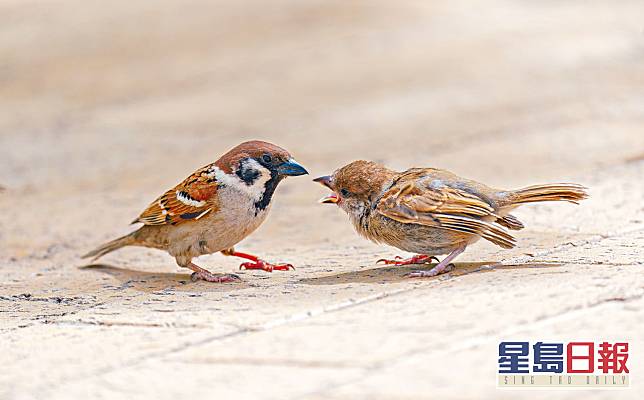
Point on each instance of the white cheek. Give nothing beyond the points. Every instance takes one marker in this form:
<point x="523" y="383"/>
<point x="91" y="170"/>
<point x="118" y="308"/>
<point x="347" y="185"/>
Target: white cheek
<point x="254" y="191"/>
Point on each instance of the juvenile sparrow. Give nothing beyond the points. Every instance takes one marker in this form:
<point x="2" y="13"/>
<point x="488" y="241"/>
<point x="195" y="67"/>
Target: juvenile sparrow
<point x="431" y="211"/>
<point x="214" y="209"/>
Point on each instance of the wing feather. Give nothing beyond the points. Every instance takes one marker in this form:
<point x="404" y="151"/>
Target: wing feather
<point x="189" y="200"/>
<point x="416" y="201"/>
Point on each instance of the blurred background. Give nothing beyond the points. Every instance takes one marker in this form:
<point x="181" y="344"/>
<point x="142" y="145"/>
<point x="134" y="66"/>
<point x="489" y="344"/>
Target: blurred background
<point x="126" y="98"/>
<point x="140" y="93"/>
<point x="106" y="104"/>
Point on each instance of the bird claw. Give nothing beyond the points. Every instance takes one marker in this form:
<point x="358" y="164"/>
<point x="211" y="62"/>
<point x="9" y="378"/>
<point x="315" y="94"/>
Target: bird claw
<point x="399" y="261"/>
<point x="432" y="272"/>
<point x="268" y="267"/>
<point x="216" y="278"/>
<point x="388" y="262"/>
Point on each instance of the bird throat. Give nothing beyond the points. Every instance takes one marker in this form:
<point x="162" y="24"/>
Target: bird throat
<point x="269" y="190"/>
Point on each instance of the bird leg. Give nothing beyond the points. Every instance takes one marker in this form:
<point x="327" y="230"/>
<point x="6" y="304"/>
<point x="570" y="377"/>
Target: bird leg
<point x="200" y="273"/>
<point x="442" y="267"/>
<point x="256" y="262"/>
<point x="417" y="259"/>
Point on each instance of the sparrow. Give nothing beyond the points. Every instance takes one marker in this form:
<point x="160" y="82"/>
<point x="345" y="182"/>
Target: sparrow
<point x="214" y="209"/>
<point x="431" y="211"/>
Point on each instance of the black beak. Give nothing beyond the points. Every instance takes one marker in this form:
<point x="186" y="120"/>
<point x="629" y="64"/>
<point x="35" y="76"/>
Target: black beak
<point x="291" y="168"/>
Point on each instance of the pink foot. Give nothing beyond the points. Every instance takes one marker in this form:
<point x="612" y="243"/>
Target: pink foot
<point x="216" y="278"/>
<point x="268" y="267"/>
<point x="418" y="259"/>
<point x="204" y="274"/>
<point x="442" y="267"/>
<point x="432" y="272"/>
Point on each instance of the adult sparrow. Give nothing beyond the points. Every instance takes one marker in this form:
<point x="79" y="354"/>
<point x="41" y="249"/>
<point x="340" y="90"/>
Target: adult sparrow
<point x="431" y="211"/>
<point x="214" y="209"/>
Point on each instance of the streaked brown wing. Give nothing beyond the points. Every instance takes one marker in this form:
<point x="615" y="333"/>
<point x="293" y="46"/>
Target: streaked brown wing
<point x="412" y="200"/>
<point x="190" y="200"/>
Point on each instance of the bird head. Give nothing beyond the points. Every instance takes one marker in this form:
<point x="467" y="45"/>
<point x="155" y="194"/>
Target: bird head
<point x="256" y="168"/>
<point x="356" y="186"/>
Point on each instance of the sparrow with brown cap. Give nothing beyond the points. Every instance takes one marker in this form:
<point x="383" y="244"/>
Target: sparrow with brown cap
<point x="214" y="209"/>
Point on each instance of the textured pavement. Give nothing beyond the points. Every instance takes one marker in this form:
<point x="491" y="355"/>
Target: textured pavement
<point x="104" y="106"/>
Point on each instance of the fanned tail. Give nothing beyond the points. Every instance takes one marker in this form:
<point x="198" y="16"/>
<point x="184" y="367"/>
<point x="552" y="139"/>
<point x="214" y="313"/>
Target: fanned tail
<point x="109" y="247"/>
<point x="570" y="192"/>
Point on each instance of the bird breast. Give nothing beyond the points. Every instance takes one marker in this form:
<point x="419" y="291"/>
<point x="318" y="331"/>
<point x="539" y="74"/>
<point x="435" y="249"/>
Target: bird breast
<point x="236" y="218"/>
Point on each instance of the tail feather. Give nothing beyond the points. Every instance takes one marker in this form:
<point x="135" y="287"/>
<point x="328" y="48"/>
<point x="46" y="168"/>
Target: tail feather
<point x="109" y="247"/>
<point x="570" y="192"/>
<point x="510" y="222"/>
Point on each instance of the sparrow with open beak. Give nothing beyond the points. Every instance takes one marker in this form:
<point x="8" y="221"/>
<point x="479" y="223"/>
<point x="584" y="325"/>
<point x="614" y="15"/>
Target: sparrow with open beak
<point x="214" y="209"/>
<point x="431" y="211"/>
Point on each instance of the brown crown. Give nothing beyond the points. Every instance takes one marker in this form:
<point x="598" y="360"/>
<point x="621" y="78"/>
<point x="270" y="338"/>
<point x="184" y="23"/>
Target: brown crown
<point x="251" y="149"/>
<point x="363" y="178"/>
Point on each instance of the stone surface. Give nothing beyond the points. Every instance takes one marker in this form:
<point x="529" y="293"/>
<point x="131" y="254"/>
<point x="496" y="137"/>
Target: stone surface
<point x="106" y="105"/>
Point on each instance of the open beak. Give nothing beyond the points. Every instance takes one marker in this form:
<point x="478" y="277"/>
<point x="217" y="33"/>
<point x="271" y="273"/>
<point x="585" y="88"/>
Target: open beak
<point x="291" y="168"/>
<point x="331" y="198"/>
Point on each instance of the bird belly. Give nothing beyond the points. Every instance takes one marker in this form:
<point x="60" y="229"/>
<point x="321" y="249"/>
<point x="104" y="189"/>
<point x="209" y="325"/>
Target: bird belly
<point x="433" y="241"/>
<point x="216" y="231"/>
<point x="415" y="238"/>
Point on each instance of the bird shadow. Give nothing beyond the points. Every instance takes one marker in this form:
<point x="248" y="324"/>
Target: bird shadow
<point x="399" y="274"/>
<point x="150" y="282"/>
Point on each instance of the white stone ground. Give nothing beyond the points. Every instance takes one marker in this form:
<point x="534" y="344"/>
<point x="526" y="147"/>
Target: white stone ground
<point x="106" y="105"/>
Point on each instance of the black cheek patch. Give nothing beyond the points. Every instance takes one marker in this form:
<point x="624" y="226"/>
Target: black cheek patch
<point x="248" y="175"/>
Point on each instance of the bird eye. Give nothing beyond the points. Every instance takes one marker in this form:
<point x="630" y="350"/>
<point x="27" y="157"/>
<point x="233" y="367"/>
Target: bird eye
<point x="267" y="158"/>
<point x="344" y="192"/>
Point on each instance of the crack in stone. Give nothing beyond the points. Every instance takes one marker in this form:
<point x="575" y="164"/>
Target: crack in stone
<point x="82" y="322"/>
<point x="291" y="363"/>
<point x="52" y="299"/>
